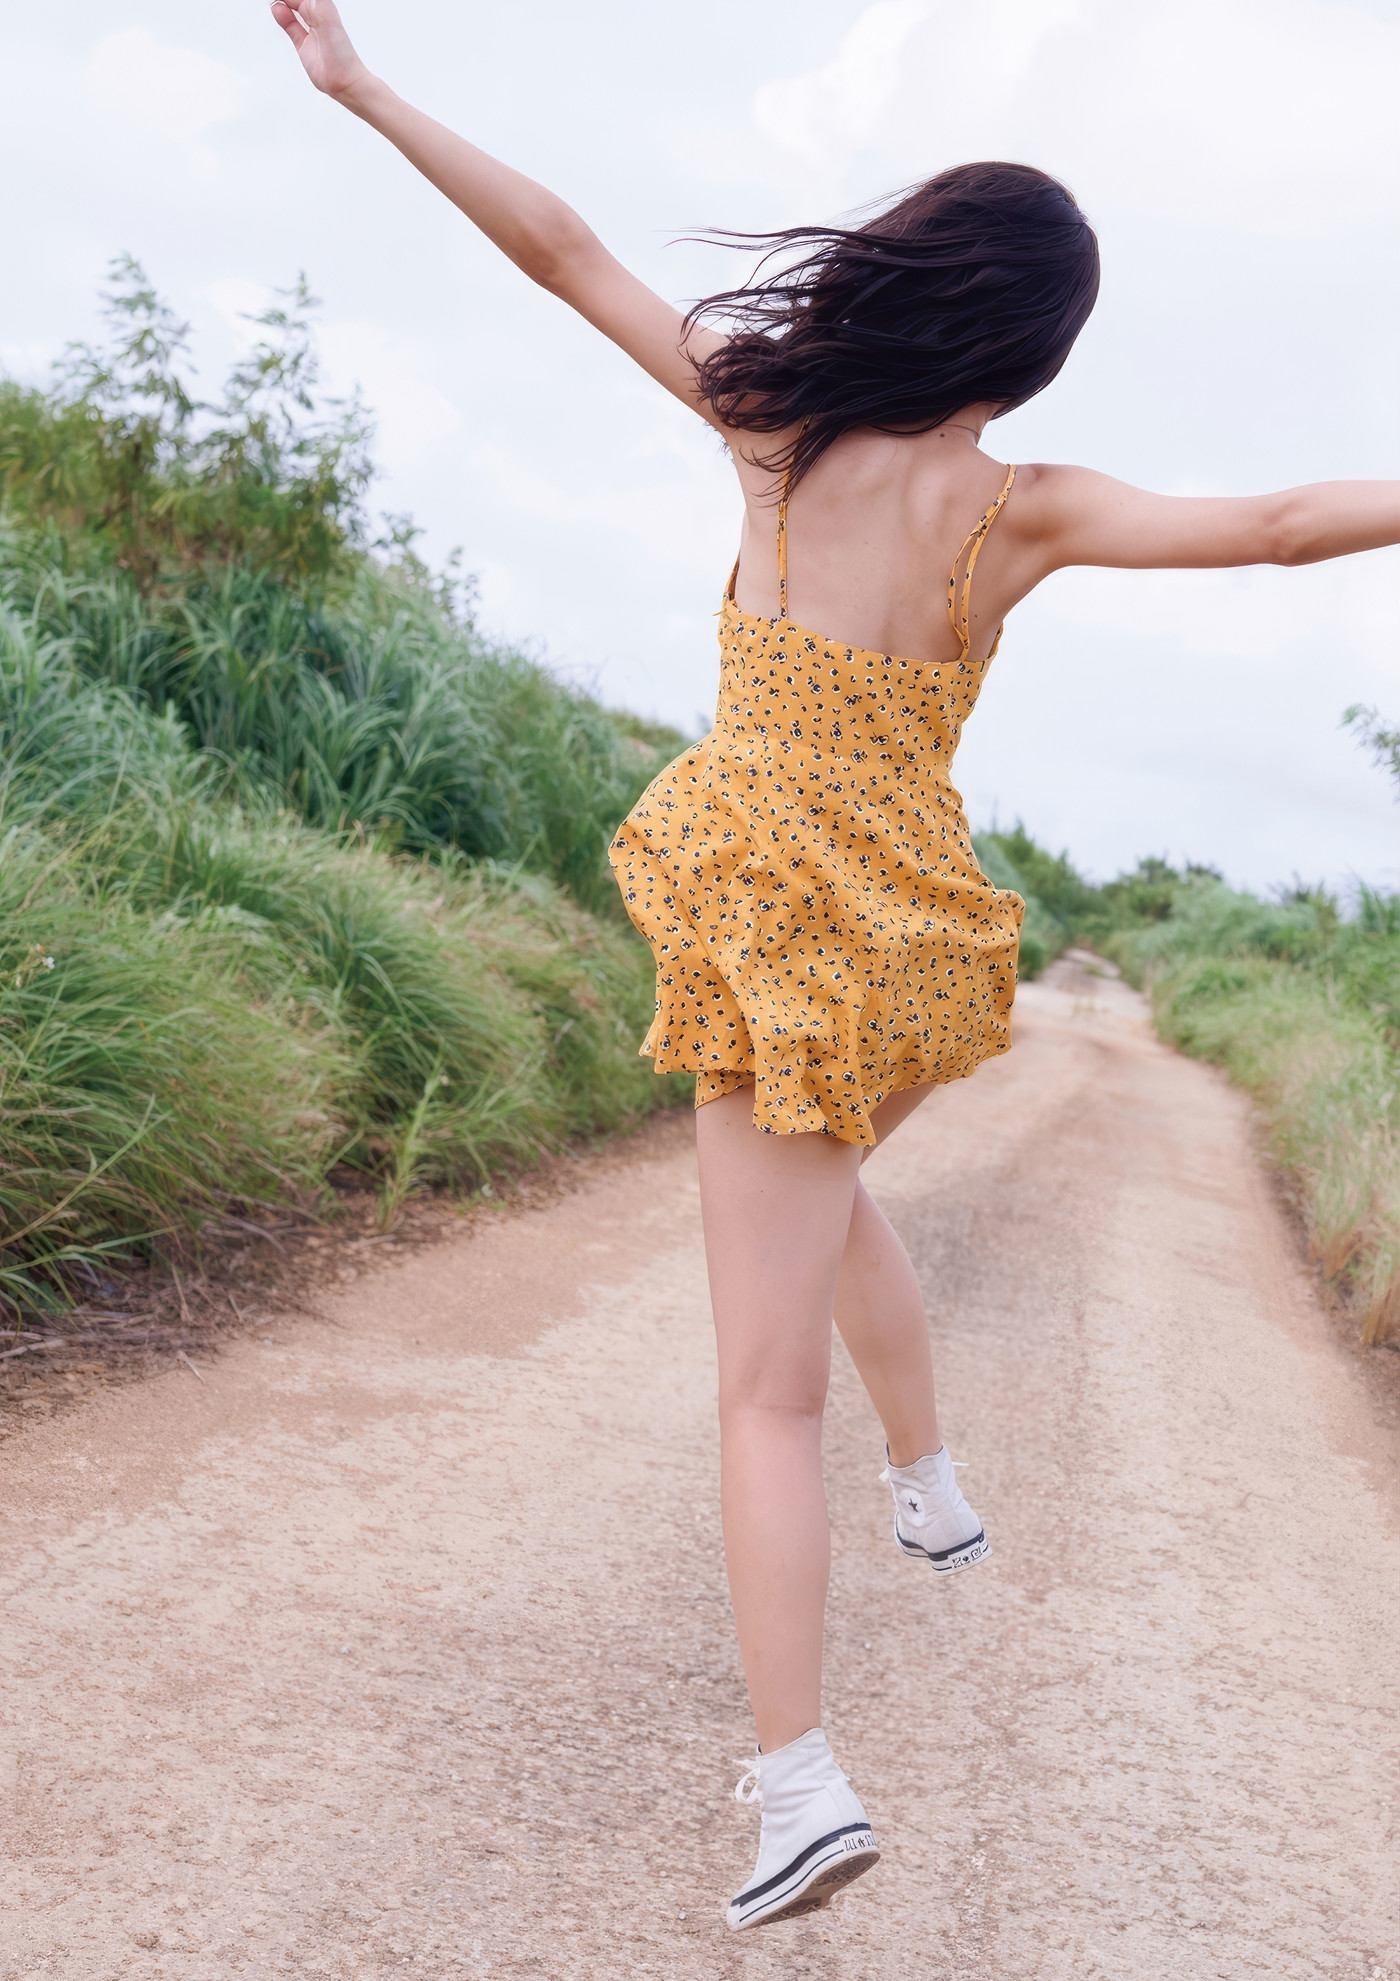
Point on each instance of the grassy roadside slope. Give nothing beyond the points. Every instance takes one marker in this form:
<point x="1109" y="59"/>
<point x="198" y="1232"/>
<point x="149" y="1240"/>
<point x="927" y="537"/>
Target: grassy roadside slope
<point x="297" y="871"/>
<point x="1298" y="1000"/>
<point x="1301" y="1006"/>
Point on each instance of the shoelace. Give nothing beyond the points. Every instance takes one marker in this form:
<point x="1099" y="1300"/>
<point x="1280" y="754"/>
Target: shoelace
<point x="743" y="1792"/>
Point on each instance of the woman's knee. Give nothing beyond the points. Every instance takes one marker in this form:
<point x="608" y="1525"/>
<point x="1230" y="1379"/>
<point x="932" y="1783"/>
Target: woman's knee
<point x="788" y="1384"/>
<point x="771" y="1416"/>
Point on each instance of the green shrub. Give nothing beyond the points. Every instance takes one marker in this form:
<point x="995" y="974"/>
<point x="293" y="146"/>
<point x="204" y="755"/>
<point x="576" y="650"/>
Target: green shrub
<point x="125" y="461"/>
<point x="1044" y="933"/>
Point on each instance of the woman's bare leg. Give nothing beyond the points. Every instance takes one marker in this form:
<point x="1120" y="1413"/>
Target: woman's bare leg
<point x="880" y="1312"/>
<point x="776" y="1210"/>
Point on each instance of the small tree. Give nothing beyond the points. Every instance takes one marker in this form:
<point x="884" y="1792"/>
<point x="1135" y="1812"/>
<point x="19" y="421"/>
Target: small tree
<point x="123" y="454"/>
<point x="1376" y="736"/>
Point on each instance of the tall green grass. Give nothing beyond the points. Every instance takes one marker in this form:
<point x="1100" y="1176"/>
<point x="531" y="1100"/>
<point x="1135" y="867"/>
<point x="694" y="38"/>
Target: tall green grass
<point x="1332" y="1099"/>
<point x="199" y="1001"/>
<point x="369" y="713"/>
<point x="140" y="1085"/>
<point x="296" y="869"/>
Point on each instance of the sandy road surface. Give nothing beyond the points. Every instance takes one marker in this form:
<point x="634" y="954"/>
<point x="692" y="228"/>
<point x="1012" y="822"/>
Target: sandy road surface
<point x="402" y="1645"/>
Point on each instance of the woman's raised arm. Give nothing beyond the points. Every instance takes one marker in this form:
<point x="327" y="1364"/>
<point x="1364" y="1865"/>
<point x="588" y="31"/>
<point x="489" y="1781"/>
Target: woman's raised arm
<point x="1080" y="517"/>
<point x="542" y="235"/>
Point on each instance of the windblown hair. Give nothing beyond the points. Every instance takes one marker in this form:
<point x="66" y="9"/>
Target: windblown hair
<point x="970" y="287"/>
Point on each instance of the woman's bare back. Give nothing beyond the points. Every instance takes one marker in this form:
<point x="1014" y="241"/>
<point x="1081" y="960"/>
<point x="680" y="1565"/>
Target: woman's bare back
<point x="873" y="531"/>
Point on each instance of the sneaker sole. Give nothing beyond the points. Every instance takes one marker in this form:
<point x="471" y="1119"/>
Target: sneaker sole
<point x="949" y="1560"/>
<point x="840" y="1860"/>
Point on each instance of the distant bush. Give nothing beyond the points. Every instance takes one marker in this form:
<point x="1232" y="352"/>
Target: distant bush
<point x="1055" y="896"/>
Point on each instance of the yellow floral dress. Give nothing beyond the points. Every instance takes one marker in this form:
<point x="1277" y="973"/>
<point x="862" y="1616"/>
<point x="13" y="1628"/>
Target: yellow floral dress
<point x="806" y="879"/>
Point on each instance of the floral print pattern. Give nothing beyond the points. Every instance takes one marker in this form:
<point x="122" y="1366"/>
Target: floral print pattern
<point x="805" y="877"/>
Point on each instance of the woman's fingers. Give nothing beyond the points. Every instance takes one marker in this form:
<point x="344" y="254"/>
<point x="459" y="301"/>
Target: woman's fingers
<point x="320" y="15"/>
<point x="315" y="30"/>
<point x="286" y="19"/>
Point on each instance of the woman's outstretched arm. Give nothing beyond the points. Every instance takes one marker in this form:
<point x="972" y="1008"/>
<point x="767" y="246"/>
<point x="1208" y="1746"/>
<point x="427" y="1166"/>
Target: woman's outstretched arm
<point x="541" y="234"/>
<point x="1081" y="517"/>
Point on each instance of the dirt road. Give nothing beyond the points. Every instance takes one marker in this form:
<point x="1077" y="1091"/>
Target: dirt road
<point x="398" y="1645"/>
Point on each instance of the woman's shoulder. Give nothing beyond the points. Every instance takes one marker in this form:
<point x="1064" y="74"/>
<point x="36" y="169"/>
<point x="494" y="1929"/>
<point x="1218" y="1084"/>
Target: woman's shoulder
<point x="1043" y="495"/>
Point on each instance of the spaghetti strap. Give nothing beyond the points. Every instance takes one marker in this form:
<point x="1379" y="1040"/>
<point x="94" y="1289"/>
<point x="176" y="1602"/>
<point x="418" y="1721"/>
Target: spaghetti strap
<point x="782" y="558"/>
<point x="783" y="528"/>
<point x="959" y="611"/>
<point x="729" y="589"/>
<point x="782" y="545"/>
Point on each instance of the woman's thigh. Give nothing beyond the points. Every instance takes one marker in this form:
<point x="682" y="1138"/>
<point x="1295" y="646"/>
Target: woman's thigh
<point x="776" y="1210"/>
<point x="885" y="1118"/>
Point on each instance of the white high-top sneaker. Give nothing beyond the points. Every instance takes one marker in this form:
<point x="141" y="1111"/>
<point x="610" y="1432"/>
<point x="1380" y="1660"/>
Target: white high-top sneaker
<point x="932" y="1520"/>
<point x="815" y="1836"/>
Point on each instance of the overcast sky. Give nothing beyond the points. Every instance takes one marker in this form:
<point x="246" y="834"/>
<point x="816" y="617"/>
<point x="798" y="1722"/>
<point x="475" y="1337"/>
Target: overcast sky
<point x="1238" y="158"/>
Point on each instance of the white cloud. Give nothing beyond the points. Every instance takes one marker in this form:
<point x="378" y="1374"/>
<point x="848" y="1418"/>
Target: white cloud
<point x="30" y="362"/>
<point x="396" y="376"/>
<point x="169" y="96"/>
<point x="828" y="113"/>
<point x="1274" y="116"/>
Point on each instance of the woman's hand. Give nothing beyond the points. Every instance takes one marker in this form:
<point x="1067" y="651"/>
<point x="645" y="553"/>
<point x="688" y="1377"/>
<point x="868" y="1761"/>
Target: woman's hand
<point x="543" y="237"/>
<point x="315" y="30"/>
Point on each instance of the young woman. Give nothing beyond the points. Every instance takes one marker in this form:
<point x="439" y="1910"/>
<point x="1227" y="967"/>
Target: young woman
<point x="827" y="949"/>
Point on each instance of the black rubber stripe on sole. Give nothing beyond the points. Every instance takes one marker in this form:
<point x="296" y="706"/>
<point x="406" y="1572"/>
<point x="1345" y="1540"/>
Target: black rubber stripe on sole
<point x="799" y="1862"/>
<point x="816" y="1888"/>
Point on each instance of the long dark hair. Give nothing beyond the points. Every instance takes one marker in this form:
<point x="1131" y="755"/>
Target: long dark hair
<point x="969" y="287"/>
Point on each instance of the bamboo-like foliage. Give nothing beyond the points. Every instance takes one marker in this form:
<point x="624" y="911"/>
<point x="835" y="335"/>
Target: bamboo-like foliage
<point x="122" y="454"/>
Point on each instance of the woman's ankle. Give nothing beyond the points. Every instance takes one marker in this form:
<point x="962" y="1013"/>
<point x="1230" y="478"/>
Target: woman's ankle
<point x="907" y="1451"/>
<point x="783" y="1729"/>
